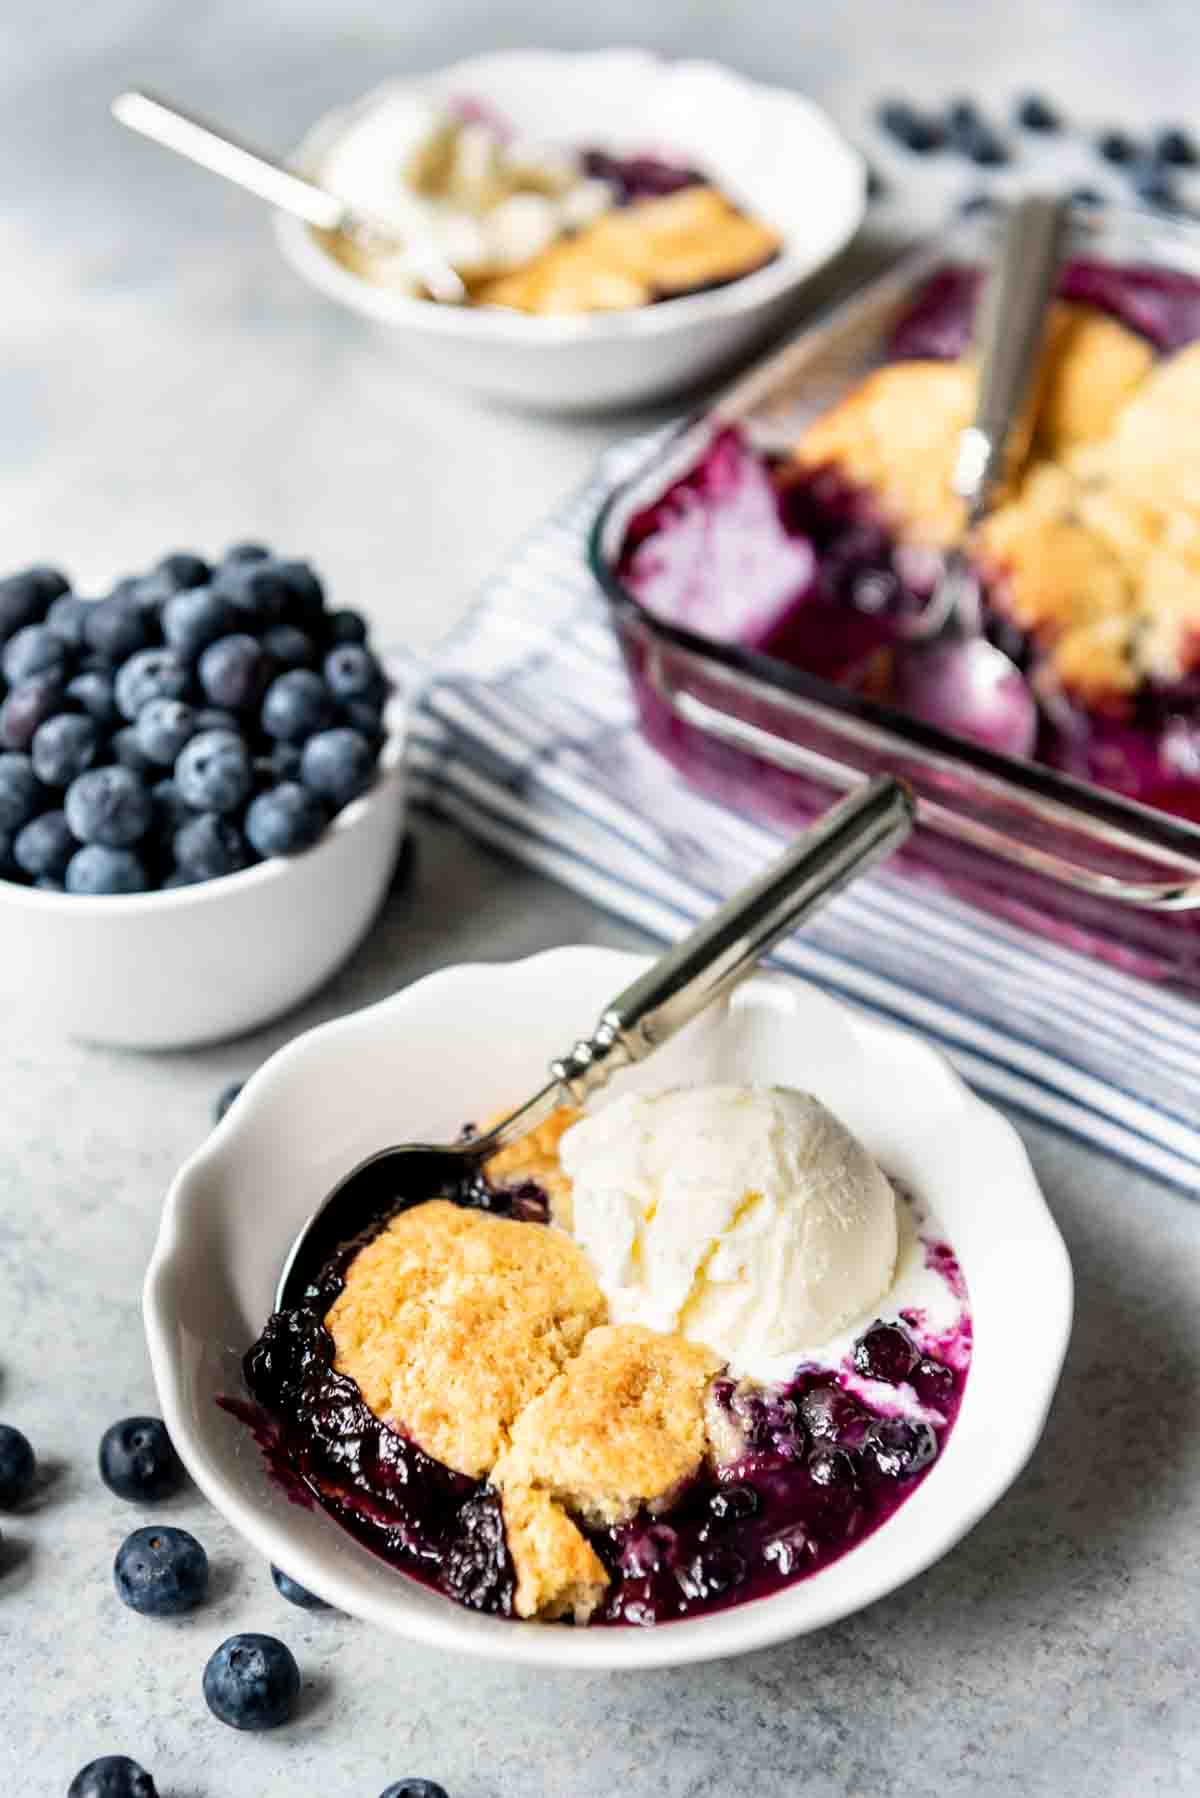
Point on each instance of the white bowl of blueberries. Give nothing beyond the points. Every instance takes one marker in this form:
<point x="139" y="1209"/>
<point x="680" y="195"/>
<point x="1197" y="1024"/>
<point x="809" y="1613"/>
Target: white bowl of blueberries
<point x="201" y="796"/>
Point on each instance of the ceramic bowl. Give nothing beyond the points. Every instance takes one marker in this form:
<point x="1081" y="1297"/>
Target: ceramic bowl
<point x="772" y="150"/>
<point x="471" y="1040"/>
<point x="169" y="970"/>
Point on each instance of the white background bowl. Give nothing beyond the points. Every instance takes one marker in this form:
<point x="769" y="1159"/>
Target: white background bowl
<point x="205" y="962"/>
<point x="470" y="1040"/>
<point x="771" y="150"/>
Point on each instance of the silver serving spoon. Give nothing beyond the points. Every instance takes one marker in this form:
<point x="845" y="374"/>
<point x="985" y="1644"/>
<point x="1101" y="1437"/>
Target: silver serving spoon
<point x="706" y="965"/>
<point x="290" y="192"/>
<point x="954" y="677"/>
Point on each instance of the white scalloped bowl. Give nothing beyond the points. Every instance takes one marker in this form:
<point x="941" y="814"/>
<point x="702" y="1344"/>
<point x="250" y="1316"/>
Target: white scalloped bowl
<point x="470" y="1040"/>
<point x="772" y="150"/>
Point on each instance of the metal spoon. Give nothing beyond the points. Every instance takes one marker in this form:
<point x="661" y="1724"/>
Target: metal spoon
<point x="955" y="678"/>
<point x="706" y="965"/>
<point x="290" y="192"/>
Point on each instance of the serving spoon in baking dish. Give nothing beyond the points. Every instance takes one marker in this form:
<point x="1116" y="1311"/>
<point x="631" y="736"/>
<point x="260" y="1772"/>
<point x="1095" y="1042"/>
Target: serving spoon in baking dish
<point x="950" y="675"/>
<point x="704" y="967"/>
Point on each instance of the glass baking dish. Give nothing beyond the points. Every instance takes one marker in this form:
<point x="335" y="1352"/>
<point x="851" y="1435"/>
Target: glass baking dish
<point x="1106" y="875"/>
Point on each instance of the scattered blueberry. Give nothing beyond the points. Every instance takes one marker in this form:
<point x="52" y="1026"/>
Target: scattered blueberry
<point x="44" y="846"/>
<point x="337" y="764"/>
<point x="116" y="628"/>
<point x="293" y="1591"/>
<point x="195" y="617"/>
<point x="161" y="1571"/>
<point x="26" y="707"/>
<point x="20" y="796"/>
<point x="1152" y="184"/>
<point x="289" y="647"/>
<point x="138" y="1461"/>
<point x="347" y="627"/>
<point x="252" y="1682"/>
<point x="284" y="820"/>
<point x="885" y="1352"/>
<point x="975" y="139"/>
<point x="34" y="650"/>
<point x="65" y="618"/>
<point x="64" y="747"/>
<point x="109" y="806"/>
<point x="24" y="597"/>
<point x="163" y="727"/>
<point x="112" y="1776"/>
<point x="183" y="568"/>
<point x="213" y="771"/>
<point x="352" y="672"/>
<point x="414" y="1788"/>
<point x="127" y="749"/>
<point x="149" y="674"/>
<point x="911" y="128"/>
<point x="1117" y="147"/>
<point x="225" y="1099"/>
<point x="297" y="704"/>
<point x="1086" y="196"/>
<point x="208" y="846"/>
<point x="18" y="1467"/>
<point x="96" y="869"/>
<point x="1176" y="148"/>
<point x="902" y="1448"/>
<point x="1036" y="114"/>
<point x="93" y="691"/>
<point x="233" y="672"/>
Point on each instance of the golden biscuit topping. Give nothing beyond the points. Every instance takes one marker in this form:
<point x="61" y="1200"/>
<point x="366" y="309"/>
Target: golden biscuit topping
<point x="535" y="1157"/>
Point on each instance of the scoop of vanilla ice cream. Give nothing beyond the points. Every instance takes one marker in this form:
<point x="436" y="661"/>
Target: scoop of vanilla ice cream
<point x="746" y="1218"/>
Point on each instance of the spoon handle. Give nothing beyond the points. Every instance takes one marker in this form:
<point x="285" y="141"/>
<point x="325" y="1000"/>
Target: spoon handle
<point x="721" y="951"/>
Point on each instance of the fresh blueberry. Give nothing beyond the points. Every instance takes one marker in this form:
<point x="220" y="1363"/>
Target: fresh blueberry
<point x="1036" y="114"/>
<point x="305" y="594"/>
<point x="414" y="1788"/>
<point x="962" y="118"/>
<point x="213" y="771"/>
<point x="233" y="672"/>
<point x="93" y="692"/>
<point x="64" y="747"/>
<point x="150" y="593"/>
<point x="24" y="597"/>
<point x="208" y="846"/>
<point x="295" y="705"/>
<point x="171" y="809"/>
<point x="1176" y="148"/>
<point x="252" y="1682"/>
<point x="195" y="617"/>
<point x="294" y="1592"/>
<point x="211" y="717"/>
<point x="911" y="128"/>
<point x="18" y="1467"/>
<point x="284" y="820"/>
<point x="255" y="590"/>
<point x="225" y="1099"/>
<point x="112" y="1776"/>
<point x="34" y="650"/>
<point x="44" y="847"/>
<point x="351" y="672"/>
<point x="161" y="1571"/>
<point x="1086" y="196"/>
<point x="347" y="627"/>
<point x="337" y="764"/>
<point x="163" y="727"/>
<point x="65" y="618"/>
<point x="116" y="628"/>
<point x="96" y="869"/>
<point x="20" y="795"/>
<point x="1117" y="147"/>
<point x="128" y="751"/>
<point x="885" y="1352"/>
<point x="246" y="552"/>
<point x="150" y="674"/>
<point x="283" y="763"/>
<point x="1152" y="184"/>
<point x="26" y="707"/>
<point x="138" y="1461"/>
<point x="366" y="716"/>
<point x="109" y="806"/>
<point x="981" y="145"/>
<point x="289" y="647"/>
<point x="902" y="1448"/>
<point x="183" y="568"/>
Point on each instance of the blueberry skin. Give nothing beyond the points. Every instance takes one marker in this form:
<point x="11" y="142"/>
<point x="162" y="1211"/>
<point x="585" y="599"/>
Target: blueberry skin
<point x="283" y="763"/>
<point x="163" y="727"/>
<point x="337" y="765"/>
<point x="351" y="672"/>
<point x="20" y="795"/>
<point x="171" y="809"/>
<point x="112" y="1776"/>
<point x="414" y="1788"/>
<point x="347" y="627"/>
<point x="246" y="552"/>
<point x="44" y="847"/>
<point x="1036" y="114"/>
<point x="64" y="747"/>
<point x="366" y="716"/>
<point x="26" y="707"/>
<point x="296" y="705"/>
<point x="255" y="592"/>
<point x="252" y="1682"/>
<point x="1176" y="148"/>
<point x="109" y="806"/>
<point x="292" y="1590"/>
<point x="116" y="628"/>
<point x="93" y="691"/>
<point x="161" y="1572"/>
<point x="233" y="672"/>
<point x="127" y="750"/>
<point x="289" y="647"/>
<point x="224" y="1100"/>
<point x="183" y="568"/>
<point x="211" y="717"/>
<point x="213" y="771"/>
<point x="305" y="594"/>
<point x="208" y="846"/>
<point x="138" y="1462"/>
<point x="150" y="674"/>
<point x="97" y="870"/>
<point x="18" y="1467"/>
<point x="1152" y="184"/>
<point x="196" y="617"/>
<point x="910" y="128"/>
<point x="33" y="650"/>
<point x="1116" y="147"/>
<point x="24" y="597"/>
<point x="284" y="820"/>
<point x="65" y="618"/>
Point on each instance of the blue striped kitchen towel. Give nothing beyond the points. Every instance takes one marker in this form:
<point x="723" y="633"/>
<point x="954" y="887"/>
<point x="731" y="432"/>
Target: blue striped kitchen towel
<point x="523" y="732"/>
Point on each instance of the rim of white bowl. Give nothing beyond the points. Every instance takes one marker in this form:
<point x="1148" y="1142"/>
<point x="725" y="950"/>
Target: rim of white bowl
<point x="275" y="867"/>
<point x="744" y="294"/>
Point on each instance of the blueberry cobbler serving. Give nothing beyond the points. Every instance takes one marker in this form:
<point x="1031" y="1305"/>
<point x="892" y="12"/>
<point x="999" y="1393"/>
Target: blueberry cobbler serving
<point x="538" y="228"/>
<point x="825" y="558"/>
<point x="657" y="1360"/>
